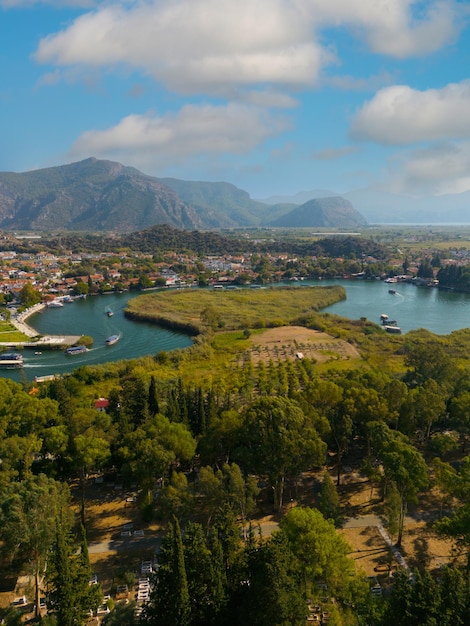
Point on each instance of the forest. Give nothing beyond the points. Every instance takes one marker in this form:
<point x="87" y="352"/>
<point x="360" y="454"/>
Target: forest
<point x="211" y="441"/>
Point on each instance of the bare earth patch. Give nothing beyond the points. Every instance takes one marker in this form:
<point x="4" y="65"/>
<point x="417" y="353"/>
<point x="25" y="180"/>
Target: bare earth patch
<point x="286" y="342"/>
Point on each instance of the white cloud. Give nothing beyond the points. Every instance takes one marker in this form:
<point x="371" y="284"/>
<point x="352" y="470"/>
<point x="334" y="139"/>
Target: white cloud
<point x="399" y="28"/>
<point x="401" y="115"/>
<point x="210" y="46"/>
<point x="440" y="169"/>
<point x="194" y="45"/>
<point x="204" y="130"/>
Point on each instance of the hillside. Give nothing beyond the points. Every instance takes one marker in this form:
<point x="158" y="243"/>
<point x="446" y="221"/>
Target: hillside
<point x="103" y="196"/>
<point x="90" y="195"/>
<point x="334" y="212"/>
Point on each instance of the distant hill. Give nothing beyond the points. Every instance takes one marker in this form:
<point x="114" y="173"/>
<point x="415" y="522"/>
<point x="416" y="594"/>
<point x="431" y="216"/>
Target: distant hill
<point x="90" y="195"/>
<point x="103" y="196"/>
<point x="299" y="198"/>
<point x="219" y="205"/>
<point x="333" y="212"/>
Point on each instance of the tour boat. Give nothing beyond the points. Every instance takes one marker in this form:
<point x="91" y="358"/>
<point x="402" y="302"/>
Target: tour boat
<point x="74" y="350"/>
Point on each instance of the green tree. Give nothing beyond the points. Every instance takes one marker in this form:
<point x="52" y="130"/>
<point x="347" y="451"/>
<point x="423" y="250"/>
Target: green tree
<point x="170" y="603"/>
<point x="328" y="500"/>
<point x="406" y="467"/>
<point x="28" y="296"/>
<point x="277" y="440"/>
<point x="29" y="513"/>
<point x="81" y="288"/>
<point x="269" y="593"/>
<point x="319" y="548"/>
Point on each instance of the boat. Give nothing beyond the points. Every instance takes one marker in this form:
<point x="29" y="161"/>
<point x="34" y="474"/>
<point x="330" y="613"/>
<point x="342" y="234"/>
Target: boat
<point x="74" y="350"/>
<point x="11" y="360"/>
<point x="384" y="318"/>
<point x="38" y="352"/>
<point x="109" y="312"/>
<point x="11" y="356"/>
<point x="111" y="340"/>
<point x="389" y="323"/>
<point x="54" y="304"/>
<point x="392" y="291"/>
<point x="396" y="330"/>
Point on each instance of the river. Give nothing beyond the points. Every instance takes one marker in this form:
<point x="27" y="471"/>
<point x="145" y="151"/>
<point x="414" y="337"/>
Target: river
<point x="412" y="307"/>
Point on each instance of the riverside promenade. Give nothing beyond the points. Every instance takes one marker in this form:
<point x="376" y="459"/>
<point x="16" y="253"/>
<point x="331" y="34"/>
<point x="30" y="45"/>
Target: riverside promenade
<point x="46" y="341"/>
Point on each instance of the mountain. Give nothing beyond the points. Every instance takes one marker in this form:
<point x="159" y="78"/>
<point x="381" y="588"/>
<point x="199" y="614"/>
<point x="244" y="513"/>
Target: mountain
<point x="91" y="195"/>
<point x="299" y="198"/>
<point x="333" y="212"/>
<point x="220" y="205"/>
<point x="103" y="196"/>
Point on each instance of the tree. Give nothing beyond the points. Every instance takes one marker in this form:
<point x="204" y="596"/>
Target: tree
<point x="28" y="296"/>
<point x="70" y="594"/>
<point x="81" y="288"/>
<point x="269" y="592"/>
<point x="29" y="514"/>
<point x="406" y="467"/>
<point x="203" y="590"/>
<point x="319" y="548"/>
<point x="170" y="602"/>
<point x="277" y="440"/>
<point x="328" y="501"/>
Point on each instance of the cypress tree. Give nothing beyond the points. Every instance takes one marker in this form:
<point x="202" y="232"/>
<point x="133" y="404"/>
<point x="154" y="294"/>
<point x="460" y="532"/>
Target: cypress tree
<point x="153" y="405"/>
<point x="169" y="603"/>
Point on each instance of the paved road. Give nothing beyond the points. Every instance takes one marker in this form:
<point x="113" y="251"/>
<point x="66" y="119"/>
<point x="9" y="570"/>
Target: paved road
<point x="124" y="543"/>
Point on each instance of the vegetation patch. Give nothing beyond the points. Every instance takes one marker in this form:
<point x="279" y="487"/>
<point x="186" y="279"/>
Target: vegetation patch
<point x="203" y="310"/>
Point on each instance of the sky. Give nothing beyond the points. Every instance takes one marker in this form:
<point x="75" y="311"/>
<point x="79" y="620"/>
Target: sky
<point x="274" y="96"/>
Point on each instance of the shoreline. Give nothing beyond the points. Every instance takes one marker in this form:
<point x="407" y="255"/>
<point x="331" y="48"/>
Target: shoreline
<point x="20" y="321"/>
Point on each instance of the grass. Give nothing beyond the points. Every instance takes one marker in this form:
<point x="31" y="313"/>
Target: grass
<point x="9" y="334"/>
<point x="202" y="310"/>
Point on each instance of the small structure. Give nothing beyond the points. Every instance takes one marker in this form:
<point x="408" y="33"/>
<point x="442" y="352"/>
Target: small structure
<point x="101" y="404"/>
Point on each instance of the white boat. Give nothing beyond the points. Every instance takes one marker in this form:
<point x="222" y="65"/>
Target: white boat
<point x="54" y="304"/>
<point x="112" y="340"/>
<point x="395" y="330"/>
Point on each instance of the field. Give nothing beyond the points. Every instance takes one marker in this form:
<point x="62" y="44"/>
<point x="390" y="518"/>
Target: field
<point x="291" y="342"/>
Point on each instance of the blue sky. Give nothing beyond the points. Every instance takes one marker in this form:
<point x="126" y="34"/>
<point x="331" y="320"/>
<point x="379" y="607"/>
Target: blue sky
<point x="274" y="96"/>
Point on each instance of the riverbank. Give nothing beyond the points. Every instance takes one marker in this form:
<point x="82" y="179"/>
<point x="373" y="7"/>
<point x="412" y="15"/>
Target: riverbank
<point x="19" y="321"/>
<point x="50" y="342"/>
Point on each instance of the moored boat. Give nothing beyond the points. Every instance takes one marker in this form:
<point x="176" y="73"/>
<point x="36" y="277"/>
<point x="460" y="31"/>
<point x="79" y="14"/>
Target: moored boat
<point x="111" y="340"/>
<point x="396" y="330"/>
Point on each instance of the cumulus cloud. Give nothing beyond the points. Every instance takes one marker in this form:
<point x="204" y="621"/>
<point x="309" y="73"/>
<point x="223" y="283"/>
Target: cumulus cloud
<point x="173" y="139"/>
<point x="401" y="115"/>
<point x="440" y="169"/>
<point x="399" y="28"/>
<point x="196" y="46"/>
